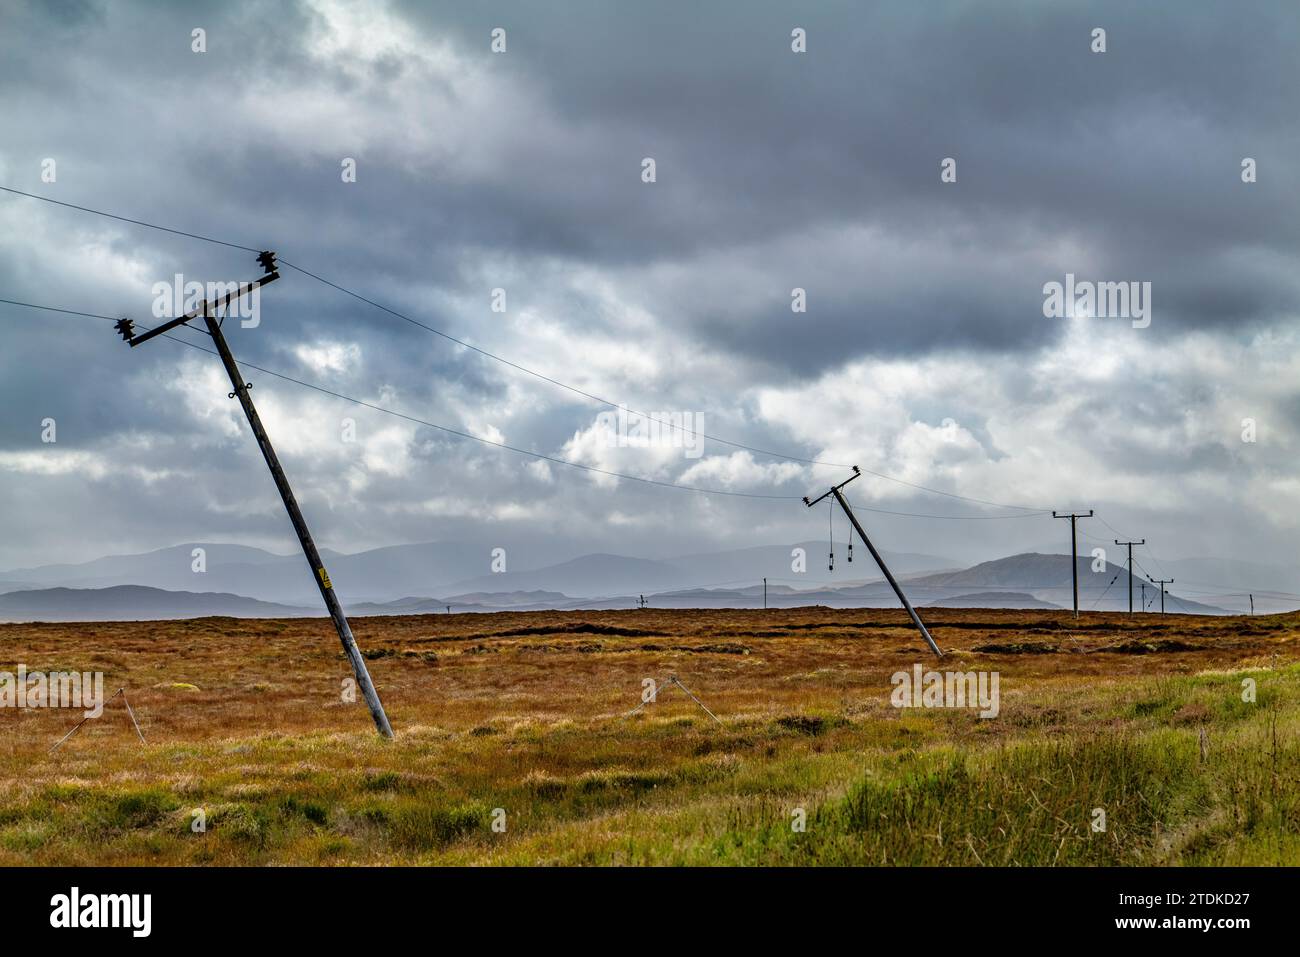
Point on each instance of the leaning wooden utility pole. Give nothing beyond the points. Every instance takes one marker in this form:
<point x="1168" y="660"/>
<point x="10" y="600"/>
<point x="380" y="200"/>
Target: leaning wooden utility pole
<point x="208" y="312"/>
<point x="1130" y="569"/>
<point x="1074" y="552"/>
<point x="853" y="519"/>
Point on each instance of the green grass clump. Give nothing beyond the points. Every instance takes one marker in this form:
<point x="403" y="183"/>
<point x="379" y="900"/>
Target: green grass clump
<point x="423" y="827"/>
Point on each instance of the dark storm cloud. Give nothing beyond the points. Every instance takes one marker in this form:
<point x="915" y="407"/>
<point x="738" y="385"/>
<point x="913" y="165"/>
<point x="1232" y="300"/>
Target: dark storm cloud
<point x="754" y="142"/>
<point x="1132" y="155"/>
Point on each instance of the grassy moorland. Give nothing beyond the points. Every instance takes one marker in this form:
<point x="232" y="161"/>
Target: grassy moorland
<point x="244" y="720"/>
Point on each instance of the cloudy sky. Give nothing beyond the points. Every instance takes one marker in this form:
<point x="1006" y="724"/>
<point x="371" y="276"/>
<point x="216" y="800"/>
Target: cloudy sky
<point x="924" y="353"/>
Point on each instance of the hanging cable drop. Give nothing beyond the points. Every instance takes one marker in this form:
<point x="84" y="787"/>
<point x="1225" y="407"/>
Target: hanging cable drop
<point x="850" y="549"/>
<point x="830" y="531"/>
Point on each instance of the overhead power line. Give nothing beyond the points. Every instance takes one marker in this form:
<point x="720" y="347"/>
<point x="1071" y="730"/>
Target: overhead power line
<point x="69" y="312"/>
<point x="434" y="425"/>
<point x="545" y="378"/>
<point x="511" y="448"/>
<point x="125" y="219"/>
<point x="514" y="365"/>
<point x="645" y="415"/>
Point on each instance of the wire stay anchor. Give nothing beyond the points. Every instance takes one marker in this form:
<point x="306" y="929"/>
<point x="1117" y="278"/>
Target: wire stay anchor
<point x="120" y="691"/>
<point x="668" y="682"/>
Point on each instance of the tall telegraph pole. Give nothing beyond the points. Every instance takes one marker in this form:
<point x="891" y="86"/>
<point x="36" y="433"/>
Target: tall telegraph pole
<point x="1130" y="569"/>
<point x="209" y="312"/>
<point x="1074" y="551"/>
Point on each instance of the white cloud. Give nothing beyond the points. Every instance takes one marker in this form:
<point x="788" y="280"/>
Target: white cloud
<point x="325" y="357"/>
<point x="1051" y="427"/>
<point x="740" y="472"/>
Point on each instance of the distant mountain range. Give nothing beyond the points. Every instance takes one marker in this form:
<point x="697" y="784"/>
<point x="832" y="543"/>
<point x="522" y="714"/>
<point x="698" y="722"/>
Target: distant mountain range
<point x="390" y="574"/>
<point x="1030" y="580"/>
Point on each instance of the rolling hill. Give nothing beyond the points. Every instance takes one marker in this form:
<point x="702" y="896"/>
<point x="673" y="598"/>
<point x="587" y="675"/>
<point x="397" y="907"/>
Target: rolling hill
<point x="136" y="603"/>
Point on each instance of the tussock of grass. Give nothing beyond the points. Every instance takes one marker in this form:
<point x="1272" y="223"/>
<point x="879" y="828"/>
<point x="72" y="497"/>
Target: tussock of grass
<point x="810" y="724"/>
<point x="426" y="827"/>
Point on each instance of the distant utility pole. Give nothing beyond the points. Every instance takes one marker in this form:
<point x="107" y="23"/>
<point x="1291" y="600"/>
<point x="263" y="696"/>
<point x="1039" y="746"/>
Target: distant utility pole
<point x="764" y="592"/>
<point x="1074" y="551"/>
<point x="1162" y="582"/>
<point x="1130" y="569"/>
<point x="209" y="311"/>
<point x="853" y="519"/>
<point x="1252" y="605"/>
<point x="1144" y="594"/>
